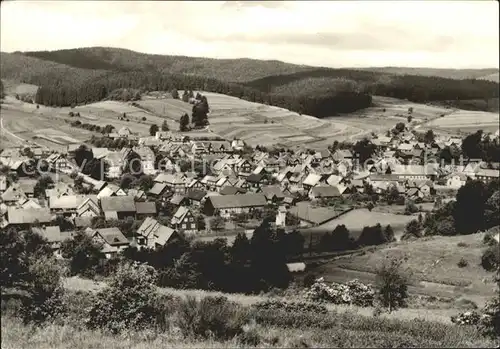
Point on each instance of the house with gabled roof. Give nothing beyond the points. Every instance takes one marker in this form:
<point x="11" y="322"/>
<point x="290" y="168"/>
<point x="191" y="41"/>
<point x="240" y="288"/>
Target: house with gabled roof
<point x="232" y="190"/>
<point x="118" y="207"/>
<point x="26" y="203"/>
<point x="342" y="154"/>
<point x="153" y="234"/>
<point x="311" y="181"/>
<point x="59" y="189"/>
<point x="273" y="193"/>
<point x="27" y="186"/>
<point x="13" y="194"/>
<point x="184" y="220"/>
<point x="223" y="182"/>
<point x="68" y="204"/>
<point x="89" y="207"/>
<point x="324" y="192"/>
<point x="112" y="239"/>
<point x="147" y="157"/>
<point x="175" y="182"/>
<point x="158" y="189"/>
<point x="53" y="235"/>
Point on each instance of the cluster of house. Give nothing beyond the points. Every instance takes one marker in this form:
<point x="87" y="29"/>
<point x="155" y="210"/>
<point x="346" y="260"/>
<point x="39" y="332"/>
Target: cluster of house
<point x="237" y="183"/>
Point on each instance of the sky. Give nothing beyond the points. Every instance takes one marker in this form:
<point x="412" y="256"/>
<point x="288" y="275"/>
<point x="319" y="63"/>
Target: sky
<point x="439" y="34"/>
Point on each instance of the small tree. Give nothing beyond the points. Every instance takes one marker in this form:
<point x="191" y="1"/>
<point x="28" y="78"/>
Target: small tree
<point x="84" y="254"/>
<point x="42" y="184"/>
<point x="409" y="118"/>
<point x="184" y="123"/>
<point x="392" y="283"/>
<point x="217" y="223"/>
<point x="153" y="129"/>
<point x="410" y="207"/>
<point x="175" y="94"/>
<point x="164" y="126"/>
<point x="45" y="290"/>
<point x="129" y="302"/>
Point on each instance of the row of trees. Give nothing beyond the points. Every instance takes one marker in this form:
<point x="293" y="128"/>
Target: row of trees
<point x="249" y="265"/>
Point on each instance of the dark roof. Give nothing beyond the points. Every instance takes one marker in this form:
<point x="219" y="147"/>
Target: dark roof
<point x="177" y="199"/>
<point x="242" y="200"/>
<point x="272" y="190"/>
<point x="325" y="191"/>
<point x="195" y="194"/>
<point x="158" y="188"/>
<point x="254" y="178"/>
<point x="28" y="216"/>
<point x="118" y="204"/>
<point x="230" y="190"/>
<point x="145" y="207"/>
<point x="113" y="236"/>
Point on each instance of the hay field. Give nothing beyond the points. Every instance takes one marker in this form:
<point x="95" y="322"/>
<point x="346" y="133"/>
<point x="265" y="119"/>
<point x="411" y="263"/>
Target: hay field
<point x="465" y="121"/>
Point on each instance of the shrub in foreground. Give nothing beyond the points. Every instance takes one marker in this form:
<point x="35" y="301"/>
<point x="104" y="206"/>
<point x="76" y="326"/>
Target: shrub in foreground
<point x="292" y="307"/>
<point x="353" y="292"/>
<point x="129" y="302"/>
<point x="45" y="292"/>
<point x="490" y="260"/>
<point x="210" y="317"/>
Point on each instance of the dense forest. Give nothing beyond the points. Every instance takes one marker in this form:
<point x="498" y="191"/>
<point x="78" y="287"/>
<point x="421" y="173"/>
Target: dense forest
<point x="78" y="76"/>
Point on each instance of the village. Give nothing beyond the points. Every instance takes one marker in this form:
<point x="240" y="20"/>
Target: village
<point x="206" y="187"/>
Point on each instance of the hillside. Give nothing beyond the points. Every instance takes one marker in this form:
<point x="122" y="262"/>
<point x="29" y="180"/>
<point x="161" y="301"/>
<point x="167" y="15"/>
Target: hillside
<point x="14" y="66"/>
<point x="80" y="76"/>
<point x="235" y="70"/>
<point x="458" y="74"/>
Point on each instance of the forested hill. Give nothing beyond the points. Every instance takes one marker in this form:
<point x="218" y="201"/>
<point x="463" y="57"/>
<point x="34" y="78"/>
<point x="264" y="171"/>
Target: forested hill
<point x="233" y="70"/>
<point x="77" y="76"/>
<point x="459" y="74"/>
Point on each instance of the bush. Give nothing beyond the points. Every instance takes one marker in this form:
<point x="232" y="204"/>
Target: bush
<point x="490" y="258"/>
<point x="462" y="244"/>
<point x="210" y="317"/>
<point x="353" y="292"/>
<point x="45" y="290"/>
<point x="489" y="324"/>
<point x="393" y="284"/>
<point x="129" y="302"/>
<point x="293" y="307"/>
<point x="462" y="263"/>
<point x="467" y="318"/>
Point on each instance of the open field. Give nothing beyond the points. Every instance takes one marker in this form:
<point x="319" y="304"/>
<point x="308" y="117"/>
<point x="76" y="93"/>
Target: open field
<point x="12" y="88"/>
<point x="41" y="126"/>
<point x="432" y="262"/>
<point x="356" y="220"/>
<point x="465" y="121"/>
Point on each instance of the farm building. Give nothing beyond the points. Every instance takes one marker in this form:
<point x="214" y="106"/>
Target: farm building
<point x="24" y="218"/>
<point x="225" y="205"/>
<point x="118" y="207"/>
<point x="325" y="192"/>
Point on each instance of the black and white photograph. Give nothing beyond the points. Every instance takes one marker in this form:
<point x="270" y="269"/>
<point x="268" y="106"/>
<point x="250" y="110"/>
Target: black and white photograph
<point x="249" y="174"/>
